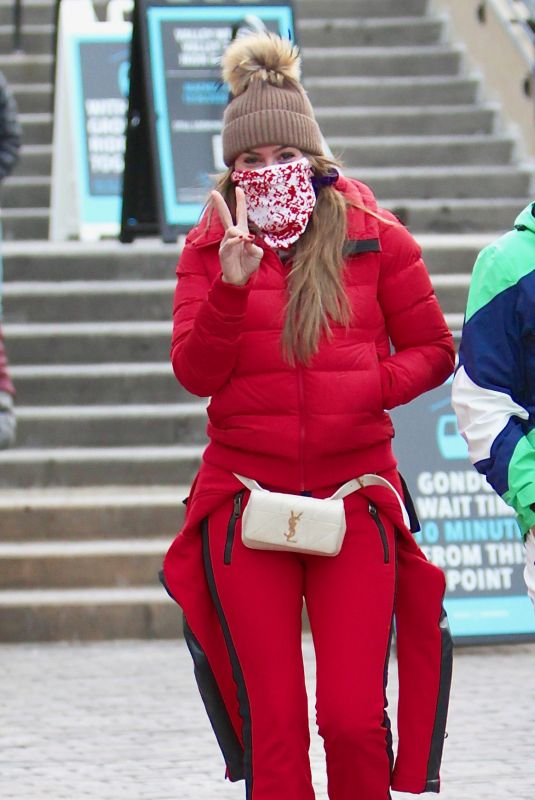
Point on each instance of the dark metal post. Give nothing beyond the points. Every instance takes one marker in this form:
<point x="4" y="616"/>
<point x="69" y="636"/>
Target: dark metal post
<point x="17" y="20"/>
<point x="54" y="53"/>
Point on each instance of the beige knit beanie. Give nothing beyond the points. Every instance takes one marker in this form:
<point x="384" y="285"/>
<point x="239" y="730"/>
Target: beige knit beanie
<point x="268" y="105"/>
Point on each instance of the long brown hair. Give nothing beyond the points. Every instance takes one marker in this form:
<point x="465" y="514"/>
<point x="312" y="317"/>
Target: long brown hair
<point x="317" y="294"/>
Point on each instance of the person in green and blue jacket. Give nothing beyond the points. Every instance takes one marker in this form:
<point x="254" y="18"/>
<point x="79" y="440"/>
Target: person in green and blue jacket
<point x="494" y="386"/>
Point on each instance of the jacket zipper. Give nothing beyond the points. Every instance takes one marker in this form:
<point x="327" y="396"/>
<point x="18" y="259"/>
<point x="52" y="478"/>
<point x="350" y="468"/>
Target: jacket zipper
<point x="382" y="533"/>
<point x="231" y="527"/>
<point x="301" y="396"/>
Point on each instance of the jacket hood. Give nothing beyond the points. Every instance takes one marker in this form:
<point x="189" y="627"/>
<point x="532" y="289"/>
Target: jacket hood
<point x="210" y="229"/>
<point x="526" y="218"/>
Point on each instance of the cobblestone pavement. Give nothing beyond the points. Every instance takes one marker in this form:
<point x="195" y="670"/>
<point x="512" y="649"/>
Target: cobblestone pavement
<point x="111" y="721"/>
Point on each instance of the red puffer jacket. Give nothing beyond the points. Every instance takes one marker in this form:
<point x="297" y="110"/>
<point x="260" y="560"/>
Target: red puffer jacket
<point x="304" y="427"/>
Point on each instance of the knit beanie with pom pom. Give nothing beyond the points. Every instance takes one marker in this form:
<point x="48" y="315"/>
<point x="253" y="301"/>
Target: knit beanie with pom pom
<point x="268" y="103"/>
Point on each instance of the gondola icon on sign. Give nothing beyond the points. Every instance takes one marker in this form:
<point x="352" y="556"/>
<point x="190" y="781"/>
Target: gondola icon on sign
<point x="450" y="442"/>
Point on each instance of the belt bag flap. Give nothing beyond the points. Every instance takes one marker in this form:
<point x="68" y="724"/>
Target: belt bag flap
<point x="279" y="521"/>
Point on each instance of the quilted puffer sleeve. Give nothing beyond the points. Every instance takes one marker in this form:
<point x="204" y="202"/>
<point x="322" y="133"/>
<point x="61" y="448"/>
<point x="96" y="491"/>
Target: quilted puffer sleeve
<point x="424" y="351"/>
<point x="208" y="317"/>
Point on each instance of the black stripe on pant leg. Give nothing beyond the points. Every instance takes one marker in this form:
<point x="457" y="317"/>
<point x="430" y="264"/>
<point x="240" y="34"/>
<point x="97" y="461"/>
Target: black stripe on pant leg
<point x="386" y="718"/>
<point x="213" y="702"/>
<point x="439" y="728"/>
<point x="237" y="673"/>
<point x="215" y="708"/>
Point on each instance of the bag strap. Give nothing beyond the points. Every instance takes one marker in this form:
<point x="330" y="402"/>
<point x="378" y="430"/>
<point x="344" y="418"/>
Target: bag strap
<point x="369" y="479"/>
<point x="249" y="483"/>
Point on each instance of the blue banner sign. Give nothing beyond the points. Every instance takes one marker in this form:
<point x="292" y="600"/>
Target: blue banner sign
<point x="100" y="73"/>
<point x="466" y="528"/>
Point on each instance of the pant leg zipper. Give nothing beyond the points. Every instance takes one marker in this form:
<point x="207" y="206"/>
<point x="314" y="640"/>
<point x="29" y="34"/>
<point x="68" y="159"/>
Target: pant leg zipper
<point x="382" y="532"/>
<point x="231" y="527"/>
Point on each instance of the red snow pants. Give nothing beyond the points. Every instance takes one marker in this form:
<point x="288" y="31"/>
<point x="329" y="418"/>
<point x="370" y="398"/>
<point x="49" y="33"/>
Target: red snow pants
<point x="350" y="603"/>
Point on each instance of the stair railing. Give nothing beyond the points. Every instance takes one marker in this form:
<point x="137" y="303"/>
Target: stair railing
<point x="518" y="16"/>
<point x="527" y="19"/>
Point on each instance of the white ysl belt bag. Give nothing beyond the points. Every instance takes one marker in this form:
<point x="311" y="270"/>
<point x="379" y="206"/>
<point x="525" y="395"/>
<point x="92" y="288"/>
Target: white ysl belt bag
<point x="278" y="521"/>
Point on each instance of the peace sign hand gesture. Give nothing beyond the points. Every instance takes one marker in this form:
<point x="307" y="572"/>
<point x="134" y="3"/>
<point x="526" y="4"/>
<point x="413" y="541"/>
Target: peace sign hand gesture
<point x="238" y="256"/>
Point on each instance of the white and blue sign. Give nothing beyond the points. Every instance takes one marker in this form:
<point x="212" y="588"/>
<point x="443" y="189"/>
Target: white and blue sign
<point x="185" y="44"/>
<point x="100" y="63"/>
<point x="466" y="528"/>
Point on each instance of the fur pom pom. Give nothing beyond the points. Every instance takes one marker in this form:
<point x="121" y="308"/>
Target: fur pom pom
<point x="262" y="55"/>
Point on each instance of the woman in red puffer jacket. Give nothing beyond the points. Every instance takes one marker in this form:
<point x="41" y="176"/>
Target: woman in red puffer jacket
<point x="291" y="294"/>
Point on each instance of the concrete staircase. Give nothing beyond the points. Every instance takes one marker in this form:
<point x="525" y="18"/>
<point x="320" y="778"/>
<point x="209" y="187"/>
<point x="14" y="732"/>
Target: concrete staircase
<point x="108" y="442"/>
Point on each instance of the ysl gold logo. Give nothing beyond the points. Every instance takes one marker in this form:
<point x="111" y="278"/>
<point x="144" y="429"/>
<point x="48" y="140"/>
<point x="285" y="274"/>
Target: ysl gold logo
<point x="292" y="526"/>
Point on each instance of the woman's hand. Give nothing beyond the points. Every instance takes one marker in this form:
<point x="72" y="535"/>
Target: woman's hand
<point x="238" y="256"/>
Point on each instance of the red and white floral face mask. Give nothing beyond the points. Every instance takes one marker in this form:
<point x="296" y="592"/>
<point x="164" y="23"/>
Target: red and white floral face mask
<point x="280" y="200"/>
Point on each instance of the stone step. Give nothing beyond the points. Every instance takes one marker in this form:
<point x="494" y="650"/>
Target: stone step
<point x="377" y="61"/>
<point x="417" y="151"/>
<point x="21" y="223"/>
<point x="452" y="291"/>
<point x="371" y="32"/>
<point x="72" y="384"/>
<point x="369" y="121"/>
<point x="88" y="342"/>
<point x="35" y="159"/>
<point x="446" y="253"/>
<point x="363" y="150"/>
<point x="153" y="383"/>
<point x="327" y="91"/>
<point x="33" y="98"/>
<point x="433" y="91"/>
<point x="90" y="564"/>
<point x="24" y="193"/>
<point x="311" y="9"/>
<point x="111" y="425"/>
<point x="84" y="466"/>
<point x="105" y="260"/>
<point x="455" y="324"/>
<point x="89" y="301"/>
<point x="38" y="38"/>
<point x="18" y="192"/>
<point x="25" y="223"/>
<point x="39" y="12"/>
<point x="92" y="512"/>
<point x="36" y="615"/>
<point x="36" y="128"/>
<point x="150" y="258"/>
<point x="21" y="67"/>
<point x="389" y="182"/>
<point x="80" y="301"/>
<point x="34" y="12"/>
<point x="458" y="216"/>
<point x="445" y="182"/>
<point x="407" y="120"/>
